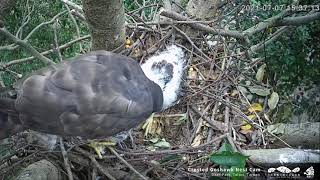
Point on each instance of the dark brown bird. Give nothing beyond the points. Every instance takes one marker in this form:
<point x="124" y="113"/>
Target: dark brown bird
<point x="94" y="95"/>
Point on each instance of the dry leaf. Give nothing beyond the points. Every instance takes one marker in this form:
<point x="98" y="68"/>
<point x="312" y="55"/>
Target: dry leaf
<point x="197" y="140"/>
<point x="192" y="74"/>
<point x="234" y="93"/>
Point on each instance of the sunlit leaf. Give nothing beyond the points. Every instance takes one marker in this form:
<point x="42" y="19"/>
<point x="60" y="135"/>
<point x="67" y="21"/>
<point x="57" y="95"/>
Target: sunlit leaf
<point x="246" y="127"/>
<point x="255" y="107"/>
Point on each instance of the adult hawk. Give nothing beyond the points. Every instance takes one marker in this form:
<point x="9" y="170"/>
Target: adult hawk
<point x="95" y="95"/>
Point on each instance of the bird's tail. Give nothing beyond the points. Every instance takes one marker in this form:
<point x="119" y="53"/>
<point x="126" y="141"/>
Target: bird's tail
<point x="166" y="69"/>
<point x="9" y="118"/>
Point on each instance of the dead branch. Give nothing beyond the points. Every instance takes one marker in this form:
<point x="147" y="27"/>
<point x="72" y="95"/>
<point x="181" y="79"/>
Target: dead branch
<point x="127" y="164"/>
<point x="65" y="159"/>
<point x="96" y="163"/>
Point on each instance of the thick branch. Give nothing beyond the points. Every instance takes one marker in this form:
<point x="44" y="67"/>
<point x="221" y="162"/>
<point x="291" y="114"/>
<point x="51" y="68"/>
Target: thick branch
<point x="300" y="20"/>
<point x="279" y="156"/>
<point x="208" y="29"/>
<point x="265" y="24"/>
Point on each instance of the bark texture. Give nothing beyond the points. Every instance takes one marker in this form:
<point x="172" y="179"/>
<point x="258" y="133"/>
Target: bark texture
<point x="106" y="19"/>
<point x="283" y="155"/>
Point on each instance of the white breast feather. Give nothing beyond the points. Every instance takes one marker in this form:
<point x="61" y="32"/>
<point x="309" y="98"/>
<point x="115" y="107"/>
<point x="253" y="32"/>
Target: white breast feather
<point x="175" y="56"/>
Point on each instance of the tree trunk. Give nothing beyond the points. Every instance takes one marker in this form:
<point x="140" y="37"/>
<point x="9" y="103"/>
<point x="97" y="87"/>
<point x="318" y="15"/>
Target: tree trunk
<point x="106" y="21"/>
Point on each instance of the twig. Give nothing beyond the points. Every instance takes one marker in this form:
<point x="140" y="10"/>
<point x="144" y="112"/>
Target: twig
<point x="95" y="162"/>
<point x="45" y="23"/>
<point x="255" y="48"/>
<point x="226" y="113"/>
<point x="268" y="22"/>
<point x="191" y="42"/>
<point x="74" y="5"/>
<point x="216" y="125"/>
<point x="242" y="115"/>
<point x="200" y="122"/>
<point x="170" y="115"/>
<point x="26" y="19"/>
<point x="65" y="159"/>
<point x="56" y="44"/>
<point x="75" y="24"/>
<point x="126" y="163"/>
<point x="177" y="151"/>
<point x="170" y="23"/>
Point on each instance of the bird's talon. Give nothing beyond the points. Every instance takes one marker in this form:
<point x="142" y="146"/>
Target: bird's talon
<point x="99" y="147"/>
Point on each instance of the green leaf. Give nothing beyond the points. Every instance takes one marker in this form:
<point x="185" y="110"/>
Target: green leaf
<point x="243" y="89"/>
<point x="229" y="159"/>
<point x="225" y="147"/>
<point x="154" y="140"/>
<point x="259" y="90"/>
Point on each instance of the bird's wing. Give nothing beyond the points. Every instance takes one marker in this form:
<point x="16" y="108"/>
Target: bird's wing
<point x="94" y="95"/>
